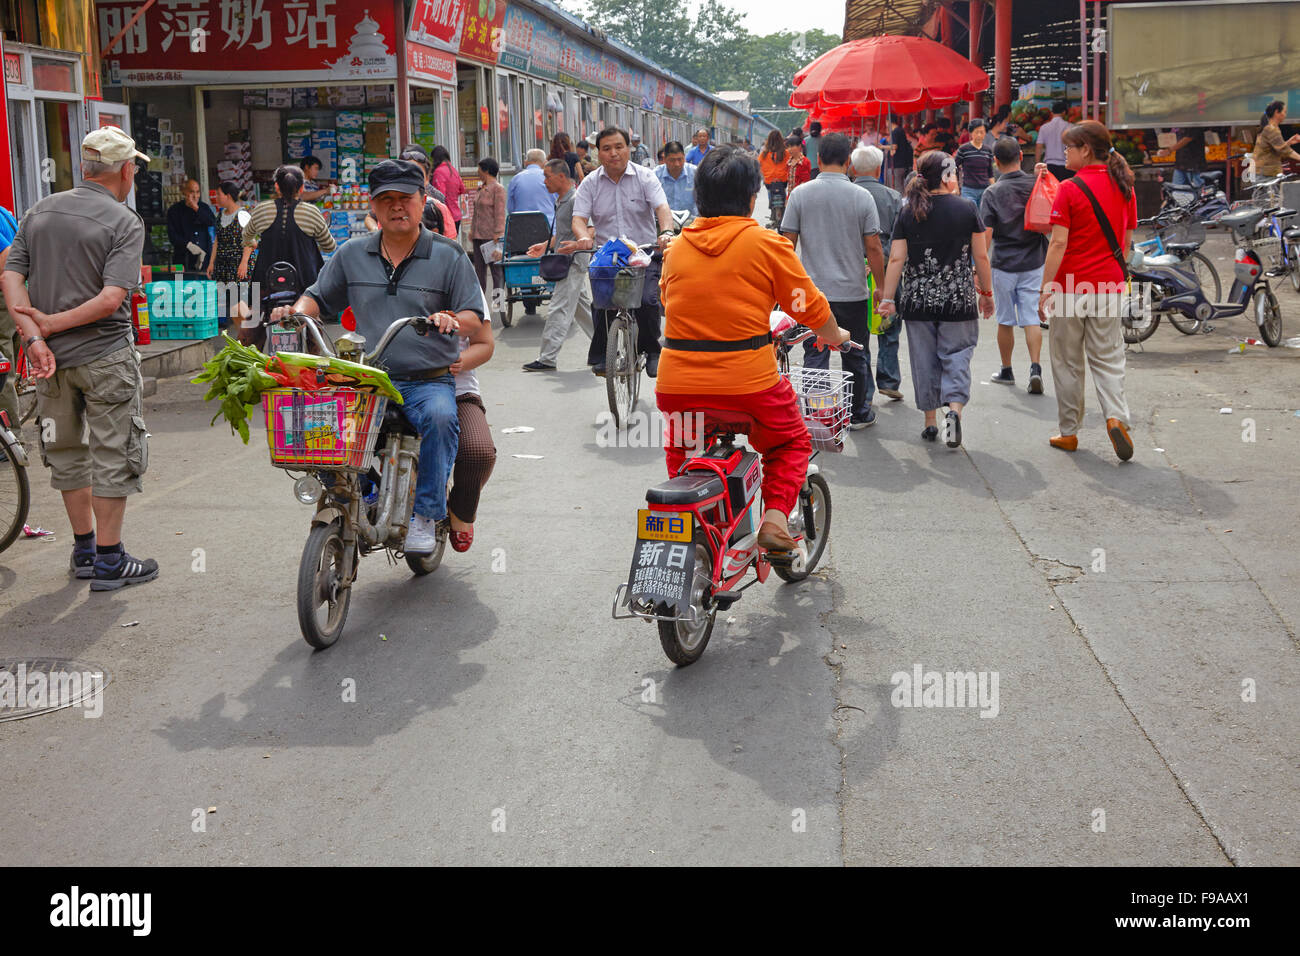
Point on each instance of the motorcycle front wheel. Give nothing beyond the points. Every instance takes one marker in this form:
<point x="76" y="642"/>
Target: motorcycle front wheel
<point x="1268" y="316"/>
<point x="323" y="593"/>
<point x="684" y="642"/>
<point x="1137" y="322"/>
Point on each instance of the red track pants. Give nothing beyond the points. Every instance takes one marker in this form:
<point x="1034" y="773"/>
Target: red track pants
<point x="779" y="435"/>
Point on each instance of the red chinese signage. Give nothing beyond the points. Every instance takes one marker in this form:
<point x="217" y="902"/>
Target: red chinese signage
<point x="259" y="41"/>
<point x="426" y="63"/>
<point x="437" y="23"/>
<point x="481" y="35"/>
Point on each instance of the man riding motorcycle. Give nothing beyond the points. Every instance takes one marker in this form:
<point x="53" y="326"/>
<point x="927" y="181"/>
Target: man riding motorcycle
<point x="720" y="279"/>
<point x="402" y="270"/>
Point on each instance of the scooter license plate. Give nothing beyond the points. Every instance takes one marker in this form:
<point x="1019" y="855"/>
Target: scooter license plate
<point x="664" y="526"/>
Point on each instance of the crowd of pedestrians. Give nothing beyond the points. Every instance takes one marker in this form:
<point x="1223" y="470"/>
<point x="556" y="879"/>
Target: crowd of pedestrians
<point x="914" y="231"/>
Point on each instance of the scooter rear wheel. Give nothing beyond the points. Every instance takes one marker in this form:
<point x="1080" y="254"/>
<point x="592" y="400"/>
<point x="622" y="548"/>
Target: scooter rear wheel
<point x="683" y="642"/>
<point x="819" y="503"/>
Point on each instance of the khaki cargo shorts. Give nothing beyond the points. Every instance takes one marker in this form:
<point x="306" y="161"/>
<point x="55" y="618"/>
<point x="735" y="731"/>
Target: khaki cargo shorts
<point x="92" y="425"/>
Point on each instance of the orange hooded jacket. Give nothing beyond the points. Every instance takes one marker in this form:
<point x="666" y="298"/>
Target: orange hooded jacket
<point x="721" y="278"/>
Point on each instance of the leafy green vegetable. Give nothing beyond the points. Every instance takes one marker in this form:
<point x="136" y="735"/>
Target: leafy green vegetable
<point x="238" y="377"/>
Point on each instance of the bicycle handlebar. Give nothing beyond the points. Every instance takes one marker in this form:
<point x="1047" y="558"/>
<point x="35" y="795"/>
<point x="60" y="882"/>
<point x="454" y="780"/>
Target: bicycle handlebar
<point x="799" y="333"/>
<point x="421" y="324"/>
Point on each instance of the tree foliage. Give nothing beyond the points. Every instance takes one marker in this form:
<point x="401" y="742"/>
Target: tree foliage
<point x="714" y="50"/>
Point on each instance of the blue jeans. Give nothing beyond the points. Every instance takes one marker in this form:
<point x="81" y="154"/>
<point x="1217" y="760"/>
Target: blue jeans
<point x="1187" y="177"/>
<point x="887" y="371"/>
<point x="973" y="193"/>
<point x="431" y="408"/>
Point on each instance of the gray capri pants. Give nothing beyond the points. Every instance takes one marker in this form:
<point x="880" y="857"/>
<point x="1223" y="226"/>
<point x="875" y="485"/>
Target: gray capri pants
<point x="940" y="354"/>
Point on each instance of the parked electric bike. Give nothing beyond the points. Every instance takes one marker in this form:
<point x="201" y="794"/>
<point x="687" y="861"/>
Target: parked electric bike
<point x="699" y="536"/>
<point x="15" y="491"/>
<point x="360" y="457"/>
<point x="1161" y="289"/>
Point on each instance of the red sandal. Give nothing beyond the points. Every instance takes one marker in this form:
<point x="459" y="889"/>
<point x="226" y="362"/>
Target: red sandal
<point x="461" y="540"/>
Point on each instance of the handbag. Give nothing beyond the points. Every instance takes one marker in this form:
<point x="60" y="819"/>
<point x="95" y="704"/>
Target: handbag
<point x="554" y="266"/>
<point x="1106" y="229"/>
<point x="1038" y="210"/>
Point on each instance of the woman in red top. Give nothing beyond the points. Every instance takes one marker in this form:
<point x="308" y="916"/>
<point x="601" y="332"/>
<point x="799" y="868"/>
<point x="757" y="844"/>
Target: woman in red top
<point x="800" y="167"/>
<point x="1084" y="283"/>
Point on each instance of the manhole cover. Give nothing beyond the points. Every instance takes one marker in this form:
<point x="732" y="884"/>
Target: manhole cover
<point x="33" y="686"/>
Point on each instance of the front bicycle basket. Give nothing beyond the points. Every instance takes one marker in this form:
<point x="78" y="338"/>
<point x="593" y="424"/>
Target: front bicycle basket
<point x="617" y="287"/>
<point x="332" y="429"/>
<point x="824" y="401"/>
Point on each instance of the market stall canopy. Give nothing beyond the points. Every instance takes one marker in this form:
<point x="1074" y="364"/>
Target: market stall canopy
<point x="865" y="18"/>
<point x="903" y="74"/>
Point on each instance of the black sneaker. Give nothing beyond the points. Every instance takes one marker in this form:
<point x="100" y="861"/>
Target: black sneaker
<point x="83" y="560"/>
<point x="1035" y="379"/>
<point x="598" y="369"/>
<point x="859" y="422"/>
<point x="1004" y="377"/>
<point x="117" y="569"/>
<point x="539" y="366"/>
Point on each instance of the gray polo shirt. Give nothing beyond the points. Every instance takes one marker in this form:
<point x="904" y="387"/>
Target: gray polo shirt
<point x="564" y="224"/>
<point x="436" y="276"/>
<point x="831" y="216"/>
<point x="69" y="247"/>
<point x="623" y="208"/>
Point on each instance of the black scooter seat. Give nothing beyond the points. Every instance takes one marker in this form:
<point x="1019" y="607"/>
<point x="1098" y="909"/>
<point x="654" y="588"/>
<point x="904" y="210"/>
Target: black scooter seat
<point x="684" y="490"/>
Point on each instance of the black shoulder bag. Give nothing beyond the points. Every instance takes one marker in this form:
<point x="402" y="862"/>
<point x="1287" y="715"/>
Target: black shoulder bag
<point x="1106" y="229"/>
<point x="554" y="266"/>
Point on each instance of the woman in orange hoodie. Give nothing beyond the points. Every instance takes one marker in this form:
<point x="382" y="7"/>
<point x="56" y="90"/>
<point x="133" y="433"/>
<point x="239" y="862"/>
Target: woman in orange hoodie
<point x="716" y="346"/>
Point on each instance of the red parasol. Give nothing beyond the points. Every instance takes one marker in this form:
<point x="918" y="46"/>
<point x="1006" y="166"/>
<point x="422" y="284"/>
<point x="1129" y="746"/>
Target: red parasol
<point x="886" y="74"/>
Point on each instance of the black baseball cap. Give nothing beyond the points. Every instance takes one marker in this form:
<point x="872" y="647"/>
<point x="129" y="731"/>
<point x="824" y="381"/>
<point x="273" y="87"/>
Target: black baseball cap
<point x="396" y="175"/>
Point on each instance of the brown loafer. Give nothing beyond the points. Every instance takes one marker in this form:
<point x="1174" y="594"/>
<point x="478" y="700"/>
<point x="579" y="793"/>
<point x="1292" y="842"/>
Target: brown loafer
<point x="1119" y="438"/>
<point x="772" y="537"/>
<point x="1064" y="442"/>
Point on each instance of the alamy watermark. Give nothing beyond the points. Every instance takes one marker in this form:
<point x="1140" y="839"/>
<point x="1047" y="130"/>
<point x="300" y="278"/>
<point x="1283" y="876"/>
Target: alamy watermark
<point x="922" y="688"/>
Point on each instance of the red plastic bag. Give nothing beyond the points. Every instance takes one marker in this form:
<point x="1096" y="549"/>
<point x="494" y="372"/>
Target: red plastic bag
<point x="1038" y="211"/>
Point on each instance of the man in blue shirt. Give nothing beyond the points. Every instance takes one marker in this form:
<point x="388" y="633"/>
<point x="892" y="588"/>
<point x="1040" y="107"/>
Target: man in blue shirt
<point x="677" y="176"/>
<point x="527" y="191"/>
<point x="701" y="148"/>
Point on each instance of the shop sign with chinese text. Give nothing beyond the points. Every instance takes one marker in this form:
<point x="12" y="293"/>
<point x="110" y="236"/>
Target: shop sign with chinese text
<point x="530" y="44"/>
<point x="426" y="63"/>
<point x="438" y="23"/>
<point x="248" y="41"/>
<point x="480" y="37"/>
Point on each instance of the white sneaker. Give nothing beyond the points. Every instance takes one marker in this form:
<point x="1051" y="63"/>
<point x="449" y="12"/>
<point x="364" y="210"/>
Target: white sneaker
<point x="421" y="537"/>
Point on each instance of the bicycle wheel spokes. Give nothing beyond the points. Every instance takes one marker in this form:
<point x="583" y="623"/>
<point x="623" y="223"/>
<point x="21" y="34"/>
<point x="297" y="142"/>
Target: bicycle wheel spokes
<point x="15" y="495"/>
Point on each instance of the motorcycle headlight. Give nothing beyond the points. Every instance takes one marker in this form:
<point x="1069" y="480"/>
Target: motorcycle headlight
<point x="308" y="489"/>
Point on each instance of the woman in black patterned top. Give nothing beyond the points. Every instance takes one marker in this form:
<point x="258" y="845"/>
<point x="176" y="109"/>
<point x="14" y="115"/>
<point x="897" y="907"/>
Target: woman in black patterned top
<point x="939" y="253"/>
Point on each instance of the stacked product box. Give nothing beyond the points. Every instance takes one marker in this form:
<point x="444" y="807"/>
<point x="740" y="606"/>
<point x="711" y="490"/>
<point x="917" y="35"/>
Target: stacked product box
<point x="423" y="131"/>
<point x="236" y="164"/>
<point x="350" y="137"/>
<point x="298" y="139"/>
<point x="324" y="146"/>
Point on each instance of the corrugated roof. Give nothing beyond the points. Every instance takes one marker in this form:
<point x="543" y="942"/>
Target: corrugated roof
<point x="868" y="18"/>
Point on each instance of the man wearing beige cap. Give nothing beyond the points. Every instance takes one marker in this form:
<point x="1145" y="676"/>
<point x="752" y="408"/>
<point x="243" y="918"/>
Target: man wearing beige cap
<point x="70" y="269"/>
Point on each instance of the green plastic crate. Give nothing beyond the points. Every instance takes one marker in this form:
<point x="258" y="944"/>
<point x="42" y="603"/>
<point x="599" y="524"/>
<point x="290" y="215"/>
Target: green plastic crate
<point x="183" y="328"/>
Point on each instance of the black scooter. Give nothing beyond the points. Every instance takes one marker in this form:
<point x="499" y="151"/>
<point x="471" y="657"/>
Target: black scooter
<point x="1159" y="289"/>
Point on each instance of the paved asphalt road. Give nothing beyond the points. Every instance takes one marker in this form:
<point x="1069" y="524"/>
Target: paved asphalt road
<point x="499" y="690"/>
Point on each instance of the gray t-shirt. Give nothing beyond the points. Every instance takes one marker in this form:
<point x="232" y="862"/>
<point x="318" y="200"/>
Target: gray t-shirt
<point x="888" y="202"/>
<point x="69" y="247"/>
<point x="436" y="276"/>
<point x="831" y="216"/>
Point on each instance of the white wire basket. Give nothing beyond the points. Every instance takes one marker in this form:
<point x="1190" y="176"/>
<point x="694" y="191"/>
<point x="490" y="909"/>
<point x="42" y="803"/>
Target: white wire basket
<point x="825" y="400"/>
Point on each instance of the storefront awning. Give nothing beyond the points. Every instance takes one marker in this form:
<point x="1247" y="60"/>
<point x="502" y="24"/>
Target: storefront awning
<point x="869" y="18"/>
